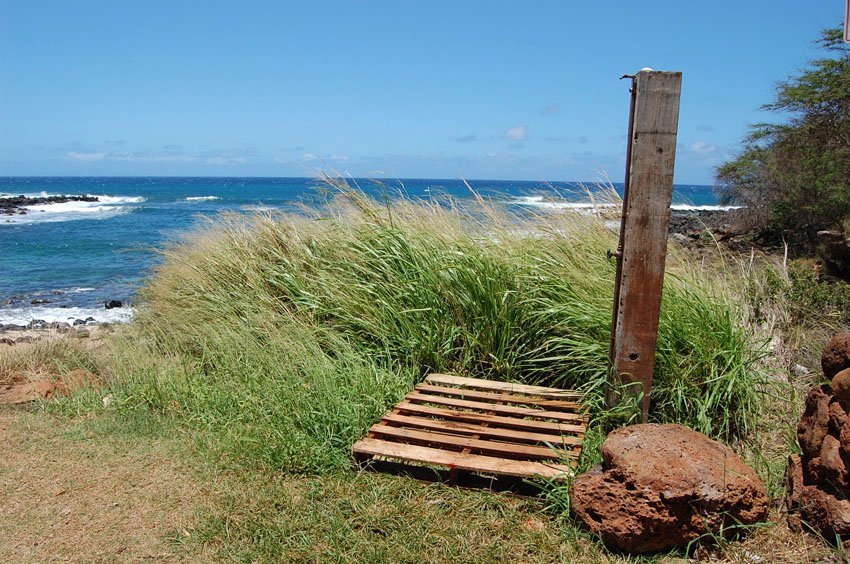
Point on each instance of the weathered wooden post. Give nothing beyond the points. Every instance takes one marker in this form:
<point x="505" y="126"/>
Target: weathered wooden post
<point x="642" y="250"/>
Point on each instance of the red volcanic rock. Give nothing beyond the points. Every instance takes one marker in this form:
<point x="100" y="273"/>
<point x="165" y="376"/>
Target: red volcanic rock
<point x="844" y="437"/>
<point x="841" y="384"/>
<point x="836" y="355"/>
<point x="837" y="415"/>
<point x="824" y="512"/>
<point x="814" y="424"/>
<point x="833" y="470"/>
<point x="661" y="486"/>
<point x="818" y="481"/>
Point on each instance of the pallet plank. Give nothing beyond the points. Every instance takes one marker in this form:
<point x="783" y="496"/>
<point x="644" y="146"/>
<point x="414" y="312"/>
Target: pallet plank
<point x="417" y="397"/>
<point x="480" y="426"/>
<point x="508" y="422"/>
<point x="477" y="383"/>
<point x="479" y="395"/>
<point x="469" y="462"/>
<point x="490" y="447"/>
<point x="472" y="429"/>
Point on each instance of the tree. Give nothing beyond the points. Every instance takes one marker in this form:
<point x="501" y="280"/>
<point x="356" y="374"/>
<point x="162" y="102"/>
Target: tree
<point x="794" y="177"/>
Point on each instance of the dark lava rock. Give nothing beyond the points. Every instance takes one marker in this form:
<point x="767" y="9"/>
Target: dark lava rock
<point x="113" y="304"/>
<point x="16" y="204"/>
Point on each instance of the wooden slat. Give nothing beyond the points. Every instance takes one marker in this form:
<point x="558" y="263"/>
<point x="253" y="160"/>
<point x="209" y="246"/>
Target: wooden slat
<point x="472" y="429"/>
<point x="462" y="461"/>
<point x="511" y="450"/>
<point x="508" y="422"/>
<point x="417" y="397"/>
<point x="476" y="383"/>
<point x="479" y="395"/>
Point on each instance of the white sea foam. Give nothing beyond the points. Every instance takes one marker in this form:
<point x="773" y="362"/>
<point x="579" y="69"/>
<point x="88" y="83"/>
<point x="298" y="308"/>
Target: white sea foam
<point x="687" y="207"/>
<point x="41" y="194"/>
<point x="105" y="207"/>
<point x="542" y="202"/>
<point x="202" y="198"/>
<point x="259" y="208"/>
<point x="79" y="290"/>
<point x="23" y="315"/>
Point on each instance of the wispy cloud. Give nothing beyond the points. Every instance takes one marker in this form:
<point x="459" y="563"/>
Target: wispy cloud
<point x="167" y="154"/>
<point x="705" y="153"/>
<point x="703" y="148"/>
<point x="581" y="139"/>
<point x="551" y="109"/>
<point x="705" y="127"/>
<point x="468" y="138"/>
<point x="228" y="156"/>
<point x="85" y="156"/>
<point x="517" y="133"/>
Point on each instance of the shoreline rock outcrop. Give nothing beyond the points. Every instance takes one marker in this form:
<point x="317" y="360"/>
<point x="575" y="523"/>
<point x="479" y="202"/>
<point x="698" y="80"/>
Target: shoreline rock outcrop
<point x="17" y="204"/>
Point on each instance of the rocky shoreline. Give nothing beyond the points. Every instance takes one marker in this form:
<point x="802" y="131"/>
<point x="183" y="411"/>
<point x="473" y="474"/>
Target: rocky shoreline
<point x="12" y="334"/>
<point x="689" y="228"/>
<point x="16" y="205"/>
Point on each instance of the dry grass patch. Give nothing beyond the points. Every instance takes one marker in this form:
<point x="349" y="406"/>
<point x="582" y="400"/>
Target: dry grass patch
<point x="67" y="496"/>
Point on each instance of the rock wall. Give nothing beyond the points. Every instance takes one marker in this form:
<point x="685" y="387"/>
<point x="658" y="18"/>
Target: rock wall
<point x="818" y="480"/>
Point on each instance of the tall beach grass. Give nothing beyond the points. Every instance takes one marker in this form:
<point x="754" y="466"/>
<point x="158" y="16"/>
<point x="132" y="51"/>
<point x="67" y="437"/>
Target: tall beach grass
<point x="281" y="339"/>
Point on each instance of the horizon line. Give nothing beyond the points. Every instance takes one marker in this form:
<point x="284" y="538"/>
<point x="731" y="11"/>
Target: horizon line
<point x="369" y="178"/>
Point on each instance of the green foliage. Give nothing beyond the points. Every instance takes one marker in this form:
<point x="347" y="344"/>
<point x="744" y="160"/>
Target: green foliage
<point x="794" y="177"/>
<point x="282" y="340"/>
<point x="805" y="298"/>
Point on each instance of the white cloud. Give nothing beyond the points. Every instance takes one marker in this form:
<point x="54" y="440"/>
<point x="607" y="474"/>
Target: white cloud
<point x="551" y="109"/>
<point x="225" y="160"/>
<point x="85" y="156"/>
<point x="703" y="148"/>
<point x="151" y="157"/>
<point x="516" y="133"/>
<point x="468" y="138"/>
<point x="167" y="154"/>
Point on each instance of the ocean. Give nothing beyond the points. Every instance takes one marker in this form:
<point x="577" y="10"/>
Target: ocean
<point x="63" y="261"/>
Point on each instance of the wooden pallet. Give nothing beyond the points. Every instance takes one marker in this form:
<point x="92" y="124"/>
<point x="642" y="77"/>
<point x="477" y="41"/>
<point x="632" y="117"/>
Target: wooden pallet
<point x="481" y="426"/>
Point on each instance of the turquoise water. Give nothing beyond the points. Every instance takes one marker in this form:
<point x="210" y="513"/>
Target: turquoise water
<point x="78" y="255"/>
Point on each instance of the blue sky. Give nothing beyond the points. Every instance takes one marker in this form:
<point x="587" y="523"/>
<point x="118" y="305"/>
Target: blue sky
<point x="480" y="90"/>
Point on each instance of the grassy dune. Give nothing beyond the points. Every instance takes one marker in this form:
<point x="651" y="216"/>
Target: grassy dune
<point x="282" y="339"/>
